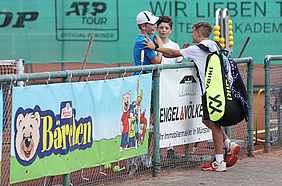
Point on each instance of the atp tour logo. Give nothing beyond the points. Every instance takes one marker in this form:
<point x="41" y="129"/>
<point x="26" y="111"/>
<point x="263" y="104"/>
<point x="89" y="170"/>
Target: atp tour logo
<point x="187" y="86"/>
<point x="77" y="19"/>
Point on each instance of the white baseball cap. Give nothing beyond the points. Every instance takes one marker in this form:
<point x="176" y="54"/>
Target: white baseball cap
<point x="146" y="17"/>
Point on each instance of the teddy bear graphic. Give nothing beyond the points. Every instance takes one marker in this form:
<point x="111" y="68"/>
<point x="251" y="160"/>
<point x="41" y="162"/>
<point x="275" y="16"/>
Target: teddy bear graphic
<point x="27" y="135"/>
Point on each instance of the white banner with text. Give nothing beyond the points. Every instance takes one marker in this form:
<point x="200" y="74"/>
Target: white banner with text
<point x="181" y="108"/>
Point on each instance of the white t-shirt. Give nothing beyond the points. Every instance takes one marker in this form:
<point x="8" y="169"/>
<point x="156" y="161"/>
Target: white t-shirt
<point x="172" y="45"/>
<point x="198" y="56"/>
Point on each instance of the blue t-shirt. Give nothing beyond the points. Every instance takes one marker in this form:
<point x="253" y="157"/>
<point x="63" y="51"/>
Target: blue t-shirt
<point x="149" y="54"/>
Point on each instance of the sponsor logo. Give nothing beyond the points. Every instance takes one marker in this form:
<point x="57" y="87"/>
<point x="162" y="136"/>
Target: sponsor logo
<point x="215" y="104"/>
<point x="21" y="18"/>
<point x="43" y="133"/>
<point x="209" y="76"/>
<point x="228" y="90"/>
<point x="179" y="113"/>
<point x="187" y="86"/>
<point x="76" y="19"/>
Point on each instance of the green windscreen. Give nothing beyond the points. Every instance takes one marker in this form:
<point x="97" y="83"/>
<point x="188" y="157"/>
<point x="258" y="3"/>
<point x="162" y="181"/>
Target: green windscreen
<point x="48" y="31"/>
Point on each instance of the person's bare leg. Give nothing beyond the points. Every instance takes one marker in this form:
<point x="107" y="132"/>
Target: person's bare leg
<point x="217" y="135"/>
<point x="226" y="140"/>
<point x="224" y="134"/>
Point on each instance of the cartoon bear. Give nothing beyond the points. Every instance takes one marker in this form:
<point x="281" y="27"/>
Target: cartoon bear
<point x="27" y="135"/>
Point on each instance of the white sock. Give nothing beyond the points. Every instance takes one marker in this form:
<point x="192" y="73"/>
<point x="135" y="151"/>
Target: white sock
<point x="227" y="143"/>
<point x="219" y="158"/>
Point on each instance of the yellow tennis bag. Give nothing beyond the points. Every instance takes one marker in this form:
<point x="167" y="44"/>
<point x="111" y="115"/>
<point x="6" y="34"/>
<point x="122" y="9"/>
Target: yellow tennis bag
<point x="219" y="100"/>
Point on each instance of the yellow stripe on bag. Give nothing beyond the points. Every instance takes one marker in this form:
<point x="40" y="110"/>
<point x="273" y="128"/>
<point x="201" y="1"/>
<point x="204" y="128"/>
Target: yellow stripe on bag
<point x="214" y="89"/>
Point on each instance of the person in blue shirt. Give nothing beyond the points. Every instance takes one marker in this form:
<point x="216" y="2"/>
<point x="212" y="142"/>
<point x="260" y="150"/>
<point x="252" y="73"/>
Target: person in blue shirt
<point x="146" y="22"/>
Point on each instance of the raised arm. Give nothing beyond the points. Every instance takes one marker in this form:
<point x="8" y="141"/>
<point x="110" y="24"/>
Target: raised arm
<point x="167" y="52"/>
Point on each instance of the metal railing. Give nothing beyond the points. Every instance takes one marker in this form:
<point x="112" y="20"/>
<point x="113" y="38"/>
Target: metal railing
<point x="9" y="80"/>
<point x="269" y="59"/>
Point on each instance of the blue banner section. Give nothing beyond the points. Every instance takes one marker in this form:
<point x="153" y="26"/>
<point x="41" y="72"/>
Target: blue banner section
<point x="65" y="125"/>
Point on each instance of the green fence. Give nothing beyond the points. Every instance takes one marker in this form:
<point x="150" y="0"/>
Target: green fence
<point x="273" y="101"/>
<point x="157" y="159"/>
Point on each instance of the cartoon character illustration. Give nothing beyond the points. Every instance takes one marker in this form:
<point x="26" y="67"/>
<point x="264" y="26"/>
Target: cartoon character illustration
<point x="138" y="111"/>
<point x="143" y="123"/>
<point x="27" y="135"/>
<point x="133" y="126"/>
<point x="125" y="120"/>
<point x="133" y="121"/>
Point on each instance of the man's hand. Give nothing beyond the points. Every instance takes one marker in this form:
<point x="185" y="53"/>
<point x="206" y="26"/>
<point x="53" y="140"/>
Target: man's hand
<point x="158" y="41"/>
<point x="167" y="52"/>
<point x="149" y="43"/>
